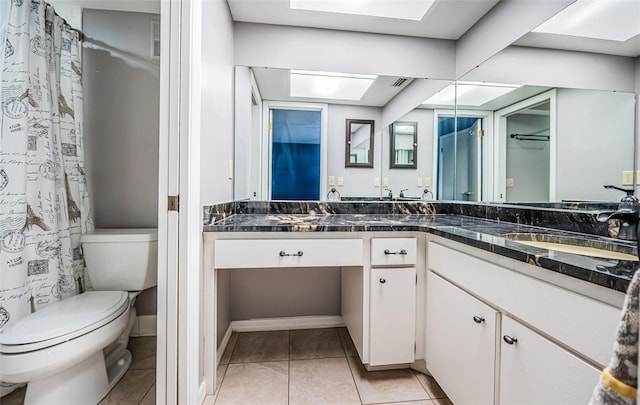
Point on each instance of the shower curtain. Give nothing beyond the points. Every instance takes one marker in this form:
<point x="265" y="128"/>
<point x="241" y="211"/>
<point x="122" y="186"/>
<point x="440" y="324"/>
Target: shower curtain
<point x="44" y="204"/>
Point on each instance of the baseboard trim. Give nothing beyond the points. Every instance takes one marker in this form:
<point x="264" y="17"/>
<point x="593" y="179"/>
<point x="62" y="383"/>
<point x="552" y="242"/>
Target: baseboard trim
<point x="145" y="325"/>
<point x="223" y="345"/>
<point x="296" y="322"/>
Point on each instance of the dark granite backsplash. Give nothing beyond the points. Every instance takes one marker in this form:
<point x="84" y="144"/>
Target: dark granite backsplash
<point x="573" y="220"/>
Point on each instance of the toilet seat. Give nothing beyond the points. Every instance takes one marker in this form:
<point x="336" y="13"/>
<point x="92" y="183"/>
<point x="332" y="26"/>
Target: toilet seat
<point x="63" y="320"/>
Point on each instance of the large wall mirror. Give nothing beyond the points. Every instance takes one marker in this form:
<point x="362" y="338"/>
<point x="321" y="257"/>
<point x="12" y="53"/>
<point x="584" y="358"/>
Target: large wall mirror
<point x="359" y="143"/>
<point x="508" y="131"/>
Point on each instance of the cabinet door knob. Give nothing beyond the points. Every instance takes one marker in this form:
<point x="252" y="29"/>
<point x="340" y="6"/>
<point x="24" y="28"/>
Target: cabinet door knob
<point x="478" y="319"/>
<point x="283" y="253"/>
<point x="509" y="340"/>
<point x="401" y="252"/>
<point x="382" y="281"/>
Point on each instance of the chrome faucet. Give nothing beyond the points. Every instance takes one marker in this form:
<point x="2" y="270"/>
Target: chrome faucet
<point x="425" y="194"/>
<point x="390" y="195"/>
<point x="402" y="192"/>
<point x="628" y="213"/>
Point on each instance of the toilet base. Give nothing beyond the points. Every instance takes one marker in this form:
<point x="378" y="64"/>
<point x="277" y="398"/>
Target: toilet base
<point x="84" y="383"/>
<point x="117" y="370"/>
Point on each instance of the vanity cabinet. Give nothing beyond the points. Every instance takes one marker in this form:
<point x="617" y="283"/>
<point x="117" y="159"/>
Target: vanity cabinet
<point x="533" y="370"/>
<point x="461" y="342"/>
<point x="548" y="343"/>
<point x="392" y="316"/>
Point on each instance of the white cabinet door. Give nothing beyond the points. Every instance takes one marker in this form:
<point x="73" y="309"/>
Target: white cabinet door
<point x="392" y="314"/>
<point x="461" y="341"/>
<point x="533" y="370"/>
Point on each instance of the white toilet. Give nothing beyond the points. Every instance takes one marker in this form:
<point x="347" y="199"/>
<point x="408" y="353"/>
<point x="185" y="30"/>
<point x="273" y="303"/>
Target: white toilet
<point x="74" y="351"/>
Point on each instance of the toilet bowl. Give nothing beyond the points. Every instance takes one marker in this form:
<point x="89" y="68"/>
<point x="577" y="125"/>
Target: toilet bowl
<point x="74" y="350"/>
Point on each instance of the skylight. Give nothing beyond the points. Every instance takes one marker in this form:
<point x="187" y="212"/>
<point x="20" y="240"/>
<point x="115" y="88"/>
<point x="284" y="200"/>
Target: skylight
<point x="329" y="85"/>
<point x="470" y="93"/>
<point x="413" y="10"/>
<point x="614" y="20"/>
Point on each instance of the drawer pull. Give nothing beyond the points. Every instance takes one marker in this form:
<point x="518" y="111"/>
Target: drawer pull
<point x="283" y="253"/>
<point x="478" y="319"/>
<point x="509" y="340"/>
<point x="382" y="281"/>
<point x="401" y="252"/>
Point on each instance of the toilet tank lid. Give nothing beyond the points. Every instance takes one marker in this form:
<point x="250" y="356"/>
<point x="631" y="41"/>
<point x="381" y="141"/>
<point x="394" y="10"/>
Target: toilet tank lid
<point x="121" y="235"/>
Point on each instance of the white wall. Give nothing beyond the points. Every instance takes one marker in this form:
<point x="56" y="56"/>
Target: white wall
<point x="217" y="131"/>
<point x="588" y="123"/>
<point x="242" y="139"/>
<point x="408" y="178"/>
<point x="501" y="26"/>
<point x="341" y="51"/>
<point x="121" y="125"/>
<point x="527" y="161"/>
<point x="358" y="181"/>
<point x="556" y="68"/>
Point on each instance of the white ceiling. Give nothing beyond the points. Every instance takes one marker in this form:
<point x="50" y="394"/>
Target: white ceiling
<point x="629" y="48"/>
<point x="447" y="19"/>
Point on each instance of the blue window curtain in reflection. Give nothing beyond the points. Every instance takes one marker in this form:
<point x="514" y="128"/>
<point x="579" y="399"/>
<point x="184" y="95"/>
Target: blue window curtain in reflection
<point x="295" y="155"/>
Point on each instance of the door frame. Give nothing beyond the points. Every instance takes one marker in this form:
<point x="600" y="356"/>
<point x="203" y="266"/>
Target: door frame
<point x="485" y="154"/>
<point x="500" y="146"/>
<point x="268" y="105"/>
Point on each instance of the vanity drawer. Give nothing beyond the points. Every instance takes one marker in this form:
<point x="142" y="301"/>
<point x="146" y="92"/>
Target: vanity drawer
<point x="264" y="253"/>
<point x="393" y="251"/>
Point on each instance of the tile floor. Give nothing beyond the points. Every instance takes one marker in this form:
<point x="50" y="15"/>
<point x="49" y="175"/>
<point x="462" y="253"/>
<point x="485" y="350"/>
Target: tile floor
<point x="313" y="366"/>
<point x="137" y="387"/>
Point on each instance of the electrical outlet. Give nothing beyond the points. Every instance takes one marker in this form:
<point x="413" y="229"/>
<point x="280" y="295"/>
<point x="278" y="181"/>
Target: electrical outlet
<point x="509" y="183"/>
<point x="376" y="182"/>
<point x="627" y="178"/>
<point x="332" y="180"/>
<point x="230" y="170"/>
<point x="419" y="181"/>
<point x="341" y="181"/>
<point x="637" y="176"/>
<point x="427" y="181"/>
<point x="385" y="182"/>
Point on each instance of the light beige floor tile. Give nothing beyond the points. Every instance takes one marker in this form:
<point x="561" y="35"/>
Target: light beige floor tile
<point x="261" y="346"/>
<point x="226" y="356"/>
<point x="442" y="401"/>
<point x="150" y="397"/>
<point x="321" y="381"/>
<point x="386" y="386"/>
<point x="422" y="402"/>
<point x="220" y="372"/>
<point x="209" y="400"/>
<point x="431" y="386"/>
<point x="143" y="350"/>
<point x="315" y="344"/>
<point x="255" y="383"/>
<point x="15" y="398"/>
<point x="132" y="388"/>
<point x="347" y="343"/>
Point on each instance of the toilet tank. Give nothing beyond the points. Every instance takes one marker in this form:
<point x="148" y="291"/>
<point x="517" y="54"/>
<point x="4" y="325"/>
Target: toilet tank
<point x="121" y="259"/>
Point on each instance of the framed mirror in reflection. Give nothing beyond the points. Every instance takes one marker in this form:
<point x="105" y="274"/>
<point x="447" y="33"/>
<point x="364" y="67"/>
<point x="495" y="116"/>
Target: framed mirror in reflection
<point x="403" y="145"/>
<point x="359" y="143"/>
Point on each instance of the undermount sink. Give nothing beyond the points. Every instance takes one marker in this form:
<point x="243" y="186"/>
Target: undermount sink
<point x="567" y="244"/>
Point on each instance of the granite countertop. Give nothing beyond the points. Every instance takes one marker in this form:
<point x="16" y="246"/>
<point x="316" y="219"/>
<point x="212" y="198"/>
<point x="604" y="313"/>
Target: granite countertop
<point x="486" y="234"/>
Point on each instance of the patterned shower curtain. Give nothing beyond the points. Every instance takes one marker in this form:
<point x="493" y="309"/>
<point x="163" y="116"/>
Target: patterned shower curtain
<point x="44" y="204"/>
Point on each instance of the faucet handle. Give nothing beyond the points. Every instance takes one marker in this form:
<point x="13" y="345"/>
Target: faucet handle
<point x="628" y="203"/>
<point x="624" y="190"/>
<point x="402" y="192"/>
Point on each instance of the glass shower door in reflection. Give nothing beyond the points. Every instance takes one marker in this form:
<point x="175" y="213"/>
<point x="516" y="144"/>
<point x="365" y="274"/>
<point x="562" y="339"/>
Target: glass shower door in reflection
<point x="459" y="158"/>
<point x="295" y="154"/>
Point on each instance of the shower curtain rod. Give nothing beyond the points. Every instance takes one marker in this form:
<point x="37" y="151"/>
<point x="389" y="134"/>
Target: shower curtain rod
<point x="530" y="137"/>
<point x="64" y="22"/>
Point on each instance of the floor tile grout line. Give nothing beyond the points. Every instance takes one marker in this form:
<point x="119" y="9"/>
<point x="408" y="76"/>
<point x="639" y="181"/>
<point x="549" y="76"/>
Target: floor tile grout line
<point x="413" y="373"/>
<point x="354" y="380"/>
